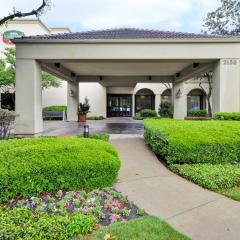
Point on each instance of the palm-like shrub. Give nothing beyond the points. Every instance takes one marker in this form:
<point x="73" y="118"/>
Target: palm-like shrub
<point x="6" y="120"/>
<point x="166" y="109"/>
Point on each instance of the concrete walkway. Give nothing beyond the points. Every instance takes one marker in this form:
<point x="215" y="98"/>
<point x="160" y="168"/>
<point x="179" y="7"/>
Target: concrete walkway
<point x="196" y="212"/>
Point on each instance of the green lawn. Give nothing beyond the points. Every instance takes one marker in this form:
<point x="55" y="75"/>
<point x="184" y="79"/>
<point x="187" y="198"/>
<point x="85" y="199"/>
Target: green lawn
<point x="144" y="228"/>
<point x="204" y="152"/>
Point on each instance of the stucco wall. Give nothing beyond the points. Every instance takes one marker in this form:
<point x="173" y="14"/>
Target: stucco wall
<point x="96" y="94"/>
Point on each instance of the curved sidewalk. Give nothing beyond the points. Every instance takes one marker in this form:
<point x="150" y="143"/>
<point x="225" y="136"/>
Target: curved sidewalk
<point x="194" y="211"/>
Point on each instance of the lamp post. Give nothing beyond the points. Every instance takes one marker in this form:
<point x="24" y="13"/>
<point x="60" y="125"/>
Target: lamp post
<point x="86" y="131"/>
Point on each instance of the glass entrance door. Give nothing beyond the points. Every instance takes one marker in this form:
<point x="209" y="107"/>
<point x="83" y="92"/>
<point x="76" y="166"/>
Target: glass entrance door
<point x="119" y="105"/>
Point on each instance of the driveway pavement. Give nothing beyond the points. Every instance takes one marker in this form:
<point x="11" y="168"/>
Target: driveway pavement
<point x="109" y="125"/>
<point x="196" y="212"/>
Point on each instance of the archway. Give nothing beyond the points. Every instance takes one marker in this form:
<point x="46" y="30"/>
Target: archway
<point x="144" y="99"/>
<point x="166" y="96"/>
<point x="196" y="100"/>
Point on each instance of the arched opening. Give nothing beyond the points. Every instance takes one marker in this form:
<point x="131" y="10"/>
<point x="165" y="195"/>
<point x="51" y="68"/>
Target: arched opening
<point x="196" y="100"/>
<point x="167" y="96"/>
<point x="144" y="99"/>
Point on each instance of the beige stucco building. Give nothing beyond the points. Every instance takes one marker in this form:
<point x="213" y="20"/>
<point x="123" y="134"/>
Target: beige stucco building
<point x="122" y="71"/>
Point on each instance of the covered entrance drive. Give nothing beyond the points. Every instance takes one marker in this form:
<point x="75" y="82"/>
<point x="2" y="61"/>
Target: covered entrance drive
<point x="123" y="58"/>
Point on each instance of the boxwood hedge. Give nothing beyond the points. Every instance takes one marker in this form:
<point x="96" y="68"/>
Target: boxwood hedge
<point x="234" y="116"/>
<point x="181" y="141"/>
<point x="33" y="166"/>
<point x="215" y="177"/>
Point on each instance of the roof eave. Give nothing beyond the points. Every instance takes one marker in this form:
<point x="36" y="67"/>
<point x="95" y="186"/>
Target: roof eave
<point x="216" y="40"/>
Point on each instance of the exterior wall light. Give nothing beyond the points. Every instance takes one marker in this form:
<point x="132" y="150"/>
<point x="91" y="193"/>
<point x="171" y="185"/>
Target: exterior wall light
<point x="86" y="131"/>
<point x="211" y="73"/>
<point x="71" y="93"/>
<point x="57" y="65"/>
<point x="178" y="75"/>
<point x="150" y="78"/>
<point x="179" y="93"/>
<point x="100" y="78"/>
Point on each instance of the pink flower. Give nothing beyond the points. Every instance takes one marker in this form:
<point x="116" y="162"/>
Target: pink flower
<point x="67" y="204"/>
<point x="75" y="195"/>
<point x="126" y="197"/>
<point x="113" y="218"/>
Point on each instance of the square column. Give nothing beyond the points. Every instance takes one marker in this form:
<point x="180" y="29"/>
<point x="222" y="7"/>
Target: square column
<point x="226" y="86"/>
<point x="28" y="97"/>
<point x="179" y="101"/>
<point x="133" y="105"/>
<point x="72" y="101"/>
<point x="157" y="102"/>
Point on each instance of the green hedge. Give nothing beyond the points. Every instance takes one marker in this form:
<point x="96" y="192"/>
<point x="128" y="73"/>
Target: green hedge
<point x="235" y="116"/>
<point x="197" y="113"/>
<point x="214" y="177"/>
<point x="101" y="136"/>
<point x="22" y="223"/>
<point x="181" y="141"/>
<point x="55" y="109"/>
<point x="148" y="113"/>
<point x="32" y="166"/>
<point x="96" y="118"/>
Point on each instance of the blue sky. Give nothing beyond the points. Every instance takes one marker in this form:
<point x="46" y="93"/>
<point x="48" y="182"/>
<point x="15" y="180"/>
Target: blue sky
<point x="78" y="15"/>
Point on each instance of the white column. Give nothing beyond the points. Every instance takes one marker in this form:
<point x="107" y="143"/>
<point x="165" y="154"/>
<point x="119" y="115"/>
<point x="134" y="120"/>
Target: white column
<point x="226" y="86"/>
<point x="28" y="97"/>
<point x="179" y="101"/>
<point x="133" y="105"/>
<point x="72" y="101"/>
<point x="157" y="102"/>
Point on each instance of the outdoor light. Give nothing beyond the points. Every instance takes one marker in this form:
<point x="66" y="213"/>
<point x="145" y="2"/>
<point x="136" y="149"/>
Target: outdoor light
<point x="195" y="65"/>
<point x="179" y="93"/>
<point x="100" y="78"/>
<point x="73" y="75"/>
<point x="211" y="73"/>
<point x="71" y="93"/>
<point x="150" y="78"/>
<point x="178" y="74"/>
<point x="57" y="65"/>
<point x="86" y="131"/>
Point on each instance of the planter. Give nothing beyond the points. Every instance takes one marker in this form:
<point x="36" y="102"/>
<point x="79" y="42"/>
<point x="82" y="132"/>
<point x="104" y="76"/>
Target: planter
<point x="82" y="118"/>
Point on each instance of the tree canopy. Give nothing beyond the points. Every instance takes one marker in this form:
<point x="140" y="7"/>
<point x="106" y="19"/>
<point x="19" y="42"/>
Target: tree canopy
<point x="8" y="71"/>
<point x="225" y="20"/>
<point x="19" y="14"/>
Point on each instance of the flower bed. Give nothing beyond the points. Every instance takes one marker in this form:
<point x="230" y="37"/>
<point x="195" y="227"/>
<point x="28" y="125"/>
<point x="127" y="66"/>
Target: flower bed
<point x="106" y="205"/>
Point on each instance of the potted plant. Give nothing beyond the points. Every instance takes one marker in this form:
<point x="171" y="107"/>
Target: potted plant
<point x="83" y="110"/>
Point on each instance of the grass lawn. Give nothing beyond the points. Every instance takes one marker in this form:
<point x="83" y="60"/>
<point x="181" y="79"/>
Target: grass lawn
<point x="204" y="152"/>
<point x="144" y="228"/>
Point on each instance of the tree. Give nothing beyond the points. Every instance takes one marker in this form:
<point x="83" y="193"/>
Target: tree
<point x="225" y="20"/>
<point x="207" y="76"/>
<point x="8" y="71"/>
<point x="18" y="14"/>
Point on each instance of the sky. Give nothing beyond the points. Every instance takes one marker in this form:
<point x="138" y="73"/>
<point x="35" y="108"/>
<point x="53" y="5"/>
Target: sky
<point x="81" y="15"/>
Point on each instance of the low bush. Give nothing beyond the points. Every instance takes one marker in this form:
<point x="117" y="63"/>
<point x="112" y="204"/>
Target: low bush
<point x="138" y="116"/>
<point x="181" y="141"/>
<point x="166" y="109"/>
<point x="6" y="120"/>
<point x="96" y="118"/>
<point x="148" y="113"/>
<point x="214" y="177"/>
<point x="33" y="166"/>
<point x="55" y="109"/>
<point x="197" y="113"/>
<point x="103" y="136"/>
<point x="22" y="223"/>
<point x="234" y="116"/>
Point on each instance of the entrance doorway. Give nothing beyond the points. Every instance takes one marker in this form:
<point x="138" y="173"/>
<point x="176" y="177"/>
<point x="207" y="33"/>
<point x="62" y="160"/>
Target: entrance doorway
<point x="119" y="105"/>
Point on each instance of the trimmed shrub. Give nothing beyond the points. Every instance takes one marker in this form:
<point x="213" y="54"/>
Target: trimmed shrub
<point x="103" y="137"/>
<point x="234" y="116"/>
<point x="55" y="109"/>
<point x="197" y="113"/>
<point x="181" y="141"/>
<point x="6" y="120"/>
<point x="148" y="113"/>
<point x="214" y="177"/>
<point x="33" y="166"/>
<point x="166" y="109"/>
<point x="22" y="223"/>
<point x="138" y="116"/>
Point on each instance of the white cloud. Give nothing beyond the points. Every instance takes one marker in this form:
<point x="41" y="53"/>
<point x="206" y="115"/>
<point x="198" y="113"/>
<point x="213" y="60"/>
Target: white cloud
<point x="96" y="14"/>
